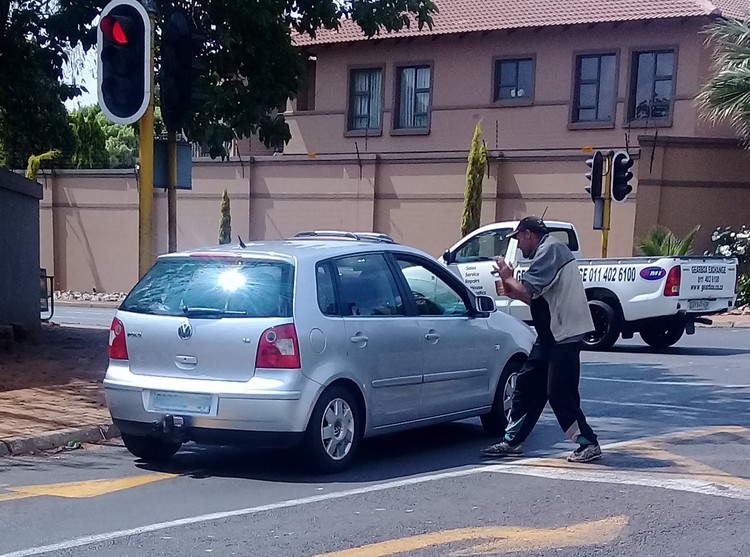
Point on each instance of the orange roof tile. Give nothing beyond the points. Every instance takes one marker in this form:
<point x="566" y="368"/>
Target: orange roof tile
<point x="462" y="16"/>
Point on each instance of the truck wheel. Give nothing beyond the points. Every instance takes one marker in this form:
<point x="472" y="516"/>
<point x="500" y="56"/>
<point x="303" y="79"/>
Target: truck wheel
<point x="150" y="449"/>
<point x="496" y="420"/>
<point x="334" y="431"/>
<point x="663" y="333"/>
<point x="607" y="326"/>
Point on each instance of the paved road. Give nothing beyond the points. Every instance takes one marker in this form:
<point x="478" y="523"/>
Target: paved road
<point x="91" y="317"/>
<point x="675" y="480"/>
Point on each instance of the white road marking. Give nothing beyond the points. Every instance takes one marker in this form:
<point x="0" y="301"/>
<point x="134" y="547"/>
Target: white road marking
<point x="575" y="474"/>
<point x="668" y="383"/>
<point x="627" y="478"/>
<point x="652" y="405"/>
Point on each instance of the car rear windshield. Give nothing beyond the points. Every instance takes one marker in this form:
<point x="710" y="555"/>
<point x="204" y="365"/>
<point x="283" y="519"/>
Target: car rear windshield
<point x="208" y="288"/>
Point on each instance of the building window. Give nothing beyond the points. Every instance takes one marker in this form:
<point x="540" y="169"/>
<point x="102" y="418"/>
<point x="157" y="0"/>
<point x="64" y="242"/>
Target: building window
<point x="652" y="85"/>
<point x="414" y="97"/>
<point x="596" y="83"/>
<point x="514" y="80"/>
<point x="366" y="99"/>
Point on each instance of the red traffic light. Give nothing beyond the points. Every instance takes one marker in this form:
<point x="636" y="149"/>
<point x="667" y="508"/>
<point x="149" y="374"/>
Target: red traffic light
<point x="113" y="31"/>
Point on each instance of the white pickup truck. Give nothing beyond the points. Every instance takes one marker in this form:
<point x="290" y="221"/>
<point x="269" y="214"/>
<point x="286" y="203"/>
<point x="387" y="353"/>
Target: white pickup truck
<point x="661" y="298"/>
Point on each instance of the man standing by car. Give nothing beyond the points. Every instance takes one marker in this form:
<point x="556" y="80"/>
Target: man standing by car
<point x="553" y="289"/>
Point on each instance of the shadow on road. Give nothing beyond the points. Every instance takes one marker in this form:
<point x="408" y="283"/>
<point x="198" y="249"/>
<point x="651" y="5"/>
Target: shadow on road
<point x="625" y="411"/>
<point x="678" y="350"/>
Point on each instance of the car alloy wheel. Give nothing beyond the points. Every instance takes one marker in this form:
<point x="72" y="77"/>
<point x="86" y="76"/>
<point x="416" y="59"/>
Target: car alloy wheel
<point x="337" y="429"/>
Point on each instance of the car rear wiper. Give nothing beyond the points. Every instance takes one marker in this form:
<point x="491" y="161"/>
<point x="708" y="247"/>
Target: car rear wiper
<point x="210" y="312"/>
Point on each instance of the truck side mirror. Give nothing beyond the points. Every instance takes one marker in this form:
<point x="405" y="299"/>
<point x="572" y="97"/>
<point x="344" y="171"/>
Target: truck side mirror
<point x="447" y="257"/>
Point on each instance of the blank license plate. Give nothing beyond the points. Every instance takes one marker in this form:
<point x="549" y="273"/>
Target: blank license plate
<point x="698" y="305"/>
<point x="182" y="402"/>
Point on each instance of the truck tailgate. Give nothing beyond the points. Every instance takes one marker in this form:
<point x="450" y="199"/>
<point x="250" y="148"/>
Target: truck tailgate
<point x="708" y="284"/>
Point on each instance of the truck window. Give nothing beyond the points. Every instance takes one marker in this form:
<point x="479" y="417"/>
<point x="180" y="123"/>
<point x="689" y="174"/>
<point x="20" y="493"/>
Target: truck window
<point x="485" y="246"/>
<point x="566" y="236"/>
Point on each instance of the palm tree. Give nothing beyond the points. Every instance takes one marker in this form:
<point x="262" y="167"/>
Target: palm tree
<point x="661" y="241"/>
<point x="726" y="95"/>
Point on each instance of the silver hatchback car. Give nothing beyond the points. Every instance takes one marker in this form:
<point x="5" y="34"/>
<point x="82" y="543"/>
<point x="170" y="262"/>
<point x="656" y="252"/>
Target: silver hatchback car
<point x="319" y="340"/>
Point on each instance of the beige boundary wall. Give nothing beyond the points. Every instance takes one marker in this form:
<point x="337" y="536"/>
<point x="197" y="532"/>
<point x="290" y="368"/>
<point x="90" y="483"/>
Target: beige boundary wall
<point x="89" y="221"/>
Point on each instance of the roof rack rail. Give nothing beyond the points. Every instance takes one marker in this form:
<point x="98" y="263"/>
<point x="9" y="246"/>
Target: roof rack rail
<point x="362" y="236"/>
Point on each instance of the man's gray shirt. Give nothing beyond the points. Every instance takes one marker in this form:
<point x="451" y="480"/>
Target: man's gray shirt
<point x="553" y="280"/>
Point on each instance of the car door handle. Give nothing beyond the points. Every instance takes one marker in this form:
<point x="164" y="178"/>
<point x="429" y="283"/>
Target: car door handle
<point x="432" y="337"/>
<point x="360" y="339"/>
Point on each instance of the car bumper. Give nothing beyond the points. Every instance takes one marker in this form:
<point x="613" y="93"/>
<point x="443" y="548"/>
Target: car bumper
<point x="275" y="402"/>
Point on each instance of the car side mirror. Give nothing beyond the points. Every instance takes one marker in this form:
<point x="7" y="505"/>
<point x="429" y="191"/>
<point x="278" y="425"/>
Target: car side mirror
<point x="485" y="304"/>
<point x="447" y="257"/>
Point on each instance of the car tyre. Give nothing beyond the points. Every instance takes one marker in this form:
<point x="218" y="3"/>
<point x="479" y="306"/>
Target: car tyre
<point x="607" y="323"/>
<point x="334" y="431"/>
<point x="150" y="449"/>
<point x="496" y="420"/>
<point x="663" y="333"/>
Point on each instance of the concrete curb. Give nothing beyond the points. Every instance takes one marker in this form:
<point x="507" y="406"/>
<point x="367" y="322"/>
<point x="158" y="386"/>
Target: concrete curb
<point x="87" y="304"/>
<point x="56" y="439"/>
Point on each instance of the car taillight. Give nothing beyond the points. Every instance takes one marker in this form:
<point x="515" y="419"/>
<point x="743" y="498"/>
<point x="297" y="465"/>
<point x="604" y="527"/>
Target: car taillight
<point x="672" y="287"/>
<point x="278" y="348"/>
<point x="118" y="348"/>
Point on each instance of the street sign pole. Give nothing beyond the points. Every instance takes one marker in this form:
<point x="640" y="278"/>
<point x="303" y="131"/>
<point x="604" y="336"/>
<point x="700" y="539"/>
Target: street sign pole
<point x="146" y="181"/>
<point x="172" y="191"/>
<point x="607" y="201"/>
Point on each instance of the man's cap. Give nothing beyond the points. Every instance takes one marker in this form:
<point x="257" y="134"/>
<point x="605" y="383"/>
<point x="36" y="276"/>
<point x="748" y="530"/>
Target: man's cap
<point x="531" y="223"/>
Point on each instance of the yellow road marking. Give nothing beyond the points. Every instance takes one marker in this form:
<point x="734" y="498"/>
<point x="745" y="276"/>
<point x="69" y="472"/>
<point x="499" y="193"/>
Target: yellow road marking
<point x="497" y="539"/>
<point x="81" y="490"/>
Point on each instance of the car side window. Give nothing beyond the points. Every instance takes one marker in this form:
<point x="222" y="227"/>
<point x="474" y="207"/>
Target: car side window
<point x="485" y="246"/>
<point x="432" y="295"/>
<point x="326" y="291"/>
<point x="367" y="286"/>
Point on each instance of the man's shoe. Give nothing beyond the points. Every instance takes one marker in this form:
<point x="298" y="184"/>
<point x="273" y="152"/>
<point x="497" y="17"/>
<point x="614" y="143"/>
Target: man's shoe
<point x="502" y="449"/>
<point x="585" y="453"/>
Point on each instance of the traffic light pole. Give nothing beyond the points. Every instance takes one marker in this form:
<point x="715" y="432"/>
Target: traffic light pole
<point x="607" y="201"/>
<point x="172" y="191"/>
<point x="146" y="182"/>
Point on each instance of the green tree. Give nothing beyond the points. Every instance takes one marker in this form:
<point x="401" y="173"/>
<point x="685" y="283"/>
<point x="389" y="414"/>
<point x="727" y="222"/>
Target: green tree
<point x="225" y="224"/>
<point x="661" y="241"/>
<point x="33" y="118"/>
<point x="252" y="65"/>
<point x="91" y="150"/>
<point x="474" y="176"/>
<point x="725" y="96"/>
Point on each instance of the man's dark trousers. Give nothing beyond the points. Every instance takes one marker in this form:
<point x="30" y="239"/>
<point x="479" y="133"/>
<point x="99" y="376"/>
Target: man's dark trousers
<point x="551" y="372"/>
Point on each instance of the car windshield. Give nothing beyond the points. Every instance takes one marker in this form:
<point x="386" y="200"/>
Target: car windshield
<point x="214" y="288"/>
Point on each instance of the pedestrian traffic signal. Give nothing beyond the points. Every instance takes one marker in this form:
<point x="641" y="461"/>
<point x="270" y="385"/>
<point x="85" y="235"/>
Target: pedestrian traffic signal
<point x="180" y="69"/>
<point x="594" y="175"/>
<point x="621" y="175"/>
<point x="124" y="61"/>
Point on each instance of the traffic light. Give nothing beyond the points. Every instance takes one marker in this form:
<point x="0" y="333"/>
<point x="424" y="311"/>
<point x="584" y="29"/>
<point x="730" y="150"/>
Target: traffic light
<point x="594" y="175"/>
<point x="181" y="67"/>
<point x="124" y="61"/>
<point x="621" y="175"/>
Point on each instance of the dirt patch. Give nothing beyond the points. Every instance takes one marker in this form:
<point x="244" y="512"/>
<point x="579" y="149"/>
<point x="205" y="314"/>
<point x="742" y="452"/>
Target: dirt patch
<point x="55" y="356"/>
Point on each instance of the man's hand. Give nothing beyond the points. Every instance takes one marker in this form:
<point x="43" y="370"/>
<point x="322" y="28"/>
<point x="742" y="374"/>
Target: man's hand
<point x="503" y="269"/>
<point x="511" y="287"/>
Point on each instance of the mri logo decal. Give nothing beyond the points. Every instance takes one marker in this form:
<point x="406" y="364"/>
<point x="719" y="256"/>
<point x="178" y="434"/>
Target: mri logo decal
<point x="653" y="273"/>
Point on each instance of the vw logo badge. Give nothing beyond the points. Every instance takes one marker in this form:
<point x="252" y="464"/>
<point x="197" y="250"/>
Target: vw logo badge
<point x="185" y="331"/>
